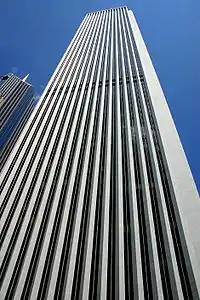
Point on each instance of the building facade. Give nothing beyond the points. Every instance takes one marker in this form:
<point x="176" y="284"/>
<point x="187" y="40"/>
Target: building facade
<point x="16" y="105"/>
<point x="98" y="201"/>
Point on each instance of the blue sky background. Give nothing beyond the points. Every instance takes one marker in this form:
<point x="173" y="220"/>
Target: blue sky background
<point x="35" y="33"/>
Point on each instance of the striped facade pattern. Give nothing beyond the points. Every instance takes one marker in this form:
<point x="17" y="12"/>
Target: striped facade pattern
<point x="16" y="106"/>
<point x="88" y="208"/>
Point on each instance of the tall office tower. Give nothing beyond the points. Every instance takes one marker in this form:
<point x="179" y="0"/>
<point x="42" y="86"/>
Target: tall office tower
<point x="16" y="105"/>
<point x="98" y="201"/>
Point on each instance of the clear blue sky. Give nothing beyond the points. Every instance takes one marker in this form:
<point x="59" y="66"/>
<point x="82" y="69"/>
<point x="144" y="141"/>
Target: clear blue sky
<point x="35" y="34"/>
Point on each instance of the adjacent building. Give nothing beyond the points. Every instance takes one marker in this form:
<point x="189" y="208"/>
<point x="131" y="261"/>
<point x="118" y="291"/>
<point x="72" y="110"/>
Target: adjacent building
<point x="16" y="105"/>
<point x="97" y="198"/>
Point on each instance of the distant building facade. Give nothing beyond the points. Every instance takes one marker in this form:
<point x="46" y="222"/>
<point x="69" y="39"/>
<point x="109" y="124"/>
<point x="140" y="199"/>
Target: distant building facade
<point x="16" y="105"/>
<point x="98" y="201"/>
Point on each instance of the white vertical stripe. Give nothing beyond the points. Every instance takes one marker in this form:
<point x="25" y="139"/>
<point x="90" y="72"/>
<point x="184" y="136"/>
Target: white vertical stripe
<point x="119" y="175"/>
<point x="104" y="260"/>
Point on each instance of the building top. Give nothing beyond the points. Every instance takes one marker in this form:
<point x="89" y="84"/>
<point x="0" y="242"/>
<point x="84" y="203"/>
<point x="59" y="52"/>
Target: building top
<point x="6" y="76"/>
<point x="25" y="78"/>
<point x="106" y="9"/>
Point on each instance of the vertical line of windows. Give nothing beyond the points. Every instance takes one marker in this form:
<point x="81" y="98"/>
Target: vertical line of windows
<point x="129" y="292"/>
<point x="112" y="209"/>
<point x="111" y="284"/>
<point x="94" y="291"/>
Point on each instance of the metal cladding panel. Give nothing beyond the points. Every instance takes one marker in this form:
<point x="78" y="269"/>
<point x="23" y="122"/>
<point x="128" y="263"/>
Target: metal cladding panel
<point x="88" y="205"/>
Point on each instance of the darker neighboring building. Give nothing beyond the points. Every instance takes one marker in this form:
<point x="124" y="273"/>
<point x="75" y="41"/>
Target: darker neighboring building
<point x="16" y="105"/>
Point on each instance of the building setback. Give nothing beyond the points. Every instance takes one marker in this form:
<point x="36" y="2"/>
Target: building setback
<point x="16" y="105"/>
<point x="98" y="201"/>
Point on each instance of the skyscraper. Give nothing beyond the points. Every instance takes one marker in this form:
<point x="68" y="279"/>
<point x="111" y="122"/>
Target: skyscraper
<point x="98" y="201"/>
<point x="16" y="105"/>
